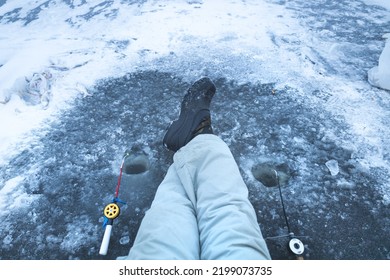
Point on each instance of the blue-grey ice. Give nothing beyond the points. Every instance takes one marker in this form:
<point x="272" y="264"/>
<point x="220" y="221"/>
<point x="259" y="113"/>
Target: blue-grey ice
<point x="83" y="81"/>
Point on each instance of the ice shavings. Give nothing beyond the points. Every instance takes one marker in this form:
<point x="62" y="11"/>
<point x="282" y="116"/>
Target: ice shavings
<point x="333" y="167"/>
<point x="80" y="231"/>
<point x="379" y="76"/>
<point x="13" y="196"/>
<point x="344" y="184"/>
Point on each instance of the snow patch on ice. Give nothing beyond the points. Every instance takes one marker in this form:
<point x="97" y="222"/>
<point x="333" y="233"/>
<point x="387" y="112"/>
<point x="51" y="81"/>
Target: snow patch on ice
<point x="379" y="76"/>
<point x="383" y="3"/>
<point x="79" y="47"/>
<point x="344" y="184"/>
<point x="13" y="196"/>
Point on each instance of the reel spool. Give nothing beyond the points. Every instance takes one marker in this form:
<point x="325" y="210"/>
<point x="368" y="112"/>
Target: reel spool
<point x="296" y="246"/>
<point x="111" y="211"/>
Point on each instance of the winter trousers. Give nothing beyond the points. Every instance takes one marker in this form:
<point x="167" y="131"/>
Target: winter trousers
<point x="201" y="209"/>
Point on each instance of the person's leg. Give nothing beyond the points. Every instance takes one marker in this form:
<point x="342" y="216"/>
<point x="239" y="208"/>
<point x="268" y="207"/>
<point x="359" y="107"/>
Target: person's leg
<point x="169" y="229"/>
<point x="226" y="219"/>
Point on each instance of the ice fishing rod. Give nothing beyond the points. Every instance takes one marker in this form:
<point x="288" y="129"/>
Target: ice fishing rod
<point x="111" y="211"/>
<point x="296" y="246"/>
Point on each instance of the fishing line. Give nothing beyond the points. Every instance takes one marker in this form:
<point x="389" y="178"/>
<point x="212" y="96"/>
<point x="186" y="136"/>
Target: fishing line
<point x="296" y="246"/>
<point x="282" y="201"/>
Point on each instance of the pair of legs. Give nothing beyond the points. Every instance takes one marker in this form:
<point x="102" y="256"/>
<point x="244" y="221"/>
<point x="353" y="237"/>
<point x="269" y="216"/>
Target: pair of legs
<point x="201" y="209"/>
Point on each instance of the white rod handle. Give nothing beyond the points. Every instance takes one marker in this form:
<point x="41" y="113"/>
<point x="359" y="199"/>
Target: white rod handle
<point x="106" y="240"/>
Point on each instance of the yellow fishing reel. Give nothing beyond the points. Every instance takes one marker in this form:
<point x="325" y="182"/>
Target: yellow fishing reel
<point x="111" y="211"/>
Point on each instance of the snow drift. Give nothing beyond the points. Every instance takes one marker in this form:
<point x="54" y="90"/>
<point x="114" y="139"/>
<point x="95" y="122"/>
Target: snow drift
<point x="379" y="76"/>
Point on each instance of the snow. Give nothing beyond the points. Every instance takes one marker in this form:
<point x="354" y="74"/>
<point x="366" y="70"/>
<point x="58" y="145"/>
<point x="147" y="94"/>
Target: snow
<point x="383" y="3"/>
<point x="294" y="72"/>
<point x="95" y="49"/>
<point x="380" y="75"/>
<point x="13" y="196"/>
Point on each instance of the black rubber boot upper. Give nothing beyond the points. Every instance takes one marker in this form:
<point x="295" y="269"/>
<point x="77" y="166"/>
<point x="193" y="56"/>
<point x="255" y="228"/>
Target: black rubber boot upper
<point x="194" y="118"/>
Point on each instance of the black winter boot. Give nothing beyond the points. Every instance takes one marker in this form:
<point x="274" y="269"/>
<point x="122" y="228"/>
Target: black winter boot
<point x="194" y="118"/>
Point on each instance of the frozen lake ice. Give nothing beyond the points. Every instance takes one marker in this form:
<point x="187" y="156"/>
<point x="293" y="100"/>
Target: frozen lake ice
<point x="292" y="91"/>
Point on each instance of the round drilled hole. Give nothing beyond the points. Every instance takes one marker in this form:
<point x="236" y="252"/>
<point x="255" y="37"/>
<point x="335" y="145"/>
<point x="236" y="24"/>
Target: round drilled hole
<point x="136" y="164"/>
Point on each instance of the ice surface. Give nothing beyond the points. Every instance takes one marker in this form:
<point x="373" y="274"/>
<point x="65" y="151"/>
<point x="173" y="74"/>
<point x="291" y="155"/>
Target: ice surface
<point x="292" y="87"/>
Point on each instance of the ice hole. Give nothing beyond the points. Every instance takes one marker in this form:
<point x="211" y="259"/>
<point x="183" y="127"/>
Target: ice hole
<point x="136" y="164"/>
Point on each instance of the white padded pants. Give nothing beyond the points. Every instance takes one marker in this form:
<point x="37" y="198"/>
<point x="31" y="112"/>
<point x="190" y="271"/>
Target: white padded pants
<point x="201" y="209"/>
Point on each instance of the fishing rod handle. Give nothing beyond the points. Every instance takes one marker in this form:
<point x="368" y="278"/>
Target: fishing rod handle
<point x="106" y="240"/>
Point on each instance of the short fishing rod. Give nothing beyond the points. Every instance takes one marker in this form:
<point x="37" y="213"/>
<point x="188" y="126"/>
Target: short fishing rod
<point x="295" y="245"/>
<point x="111" y="212"/>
